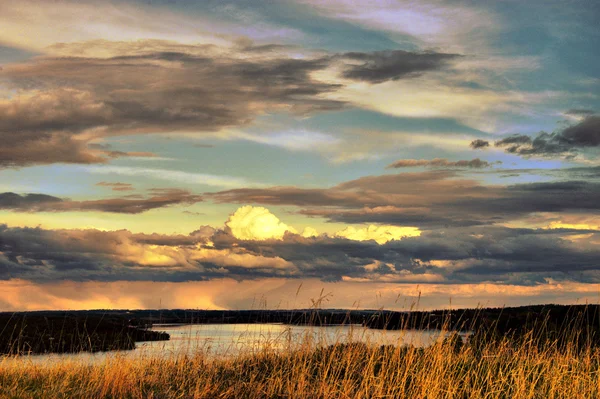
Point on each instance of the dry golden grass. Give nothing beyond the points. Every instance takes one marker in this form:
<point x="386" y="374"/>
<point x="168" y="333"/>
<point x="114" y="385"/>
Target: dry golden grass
<point x="498" y="369"/>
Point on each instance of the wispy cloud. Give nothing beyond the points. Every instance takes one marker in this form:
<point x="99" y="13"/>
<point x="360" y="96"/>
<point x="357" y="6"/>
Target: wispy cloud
<point x="175" y="175"/>
<point x="440" y="163"/>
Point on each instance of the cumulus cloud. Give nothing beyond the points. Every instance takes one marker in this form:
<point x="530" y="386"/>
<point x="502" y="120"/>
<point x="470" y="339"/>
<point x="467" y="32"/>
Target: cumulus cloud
<point x="309" y="232"/>
<point x="47" y="255"/>
<point x="379" y="234"/>
<point x="256" y="223"/>
<point x="450" y="255"/>
<point x="440" y="163"/>
<point x="256" y="245"/>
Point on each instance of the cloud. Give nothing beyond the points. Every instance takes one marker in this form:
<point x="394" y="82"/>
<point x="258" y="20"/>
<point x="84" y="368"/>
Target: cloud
<point x="309" y="232"/>
<point x="293" y="140"/>
<point x="453" y="255"/>
<point x="431" y="24"/>
<point x="174" y="175"/>
<point x="382" y="66"/>
<point x="108" y="151"/>
<point x="379" y="234"/>
<point x="349" y="144"/>
<point x="579" y="112"/>
<point x="27" y="201"/>
<point x="440" y="163"/>
<point x="63" y="103"/>
<point x="428" y="199"/>
<point x="479" y="143"/>
<point x="116" y="186"/>
<point x="417" y="199"/>
<point x="568" y="141"/>
<point x="158" y="198"/>
<point x="444" y="94"/>
<point x="86" y="255"/>
<point x="256" y="223"/>
<point x="32" y="24"/>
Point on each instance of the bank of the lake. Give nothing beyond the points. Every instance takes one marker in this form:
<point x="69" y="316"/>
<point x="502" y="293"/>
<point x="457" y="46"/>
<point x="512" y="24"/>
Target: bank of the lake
<point x="64" y="332"/>
<point x="100" y="330"/>
<point x="218" y="341"/>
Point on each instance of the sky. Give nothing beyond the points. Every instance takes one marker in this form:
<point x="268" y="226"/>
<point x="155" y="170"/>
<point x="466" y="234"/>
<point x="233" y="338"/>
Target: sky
<point x="276" y="154"/>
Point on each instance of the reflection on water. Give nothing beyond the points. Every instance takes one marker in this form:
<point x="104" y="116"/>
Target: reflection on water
<point x="224" y="340"/>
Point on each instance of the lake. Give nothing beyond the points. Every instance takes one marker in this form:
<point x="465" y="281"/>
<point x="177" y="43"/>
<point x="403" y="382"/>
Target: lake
<point x="226" y="340"/>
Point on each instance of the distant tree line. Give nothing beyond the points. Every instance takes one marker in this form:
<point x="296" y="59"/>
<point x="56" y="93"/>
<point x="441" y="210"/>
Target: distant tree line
<point x="101" y="330"/>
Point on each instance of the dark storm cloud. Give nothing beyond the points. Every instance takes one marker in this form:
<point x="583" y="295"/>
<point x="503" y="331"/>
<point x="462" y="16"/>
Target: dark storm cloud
<point x="36" y="254"/>
<point x="521" y="256"/>
<point x="382" y="66"/>
<point x="427" y="199"/>
<point x="479" y="143"/>
<point x="455" y="255"/>
<point x="440" y="163"/>
<point x="564" y="142"/>
<point x="158" y="198"/>
<point x="202" y="235"/>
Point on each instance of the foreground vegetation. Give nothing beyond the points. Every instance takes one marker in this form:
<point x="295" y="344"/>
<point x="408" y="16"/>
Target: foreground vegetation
<point x="498" y="368"/>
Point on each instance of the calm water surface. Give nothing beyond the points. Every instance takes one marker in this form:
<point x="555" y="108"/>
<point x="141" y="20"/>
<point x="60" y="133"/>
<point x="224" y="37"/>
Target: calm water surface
<point x="225" y="340"/>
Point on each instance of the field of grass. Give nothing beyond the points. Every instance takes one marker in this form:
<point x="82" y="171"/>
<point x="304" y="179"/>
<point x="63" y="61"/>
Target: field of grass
<point x="496" y="368"/>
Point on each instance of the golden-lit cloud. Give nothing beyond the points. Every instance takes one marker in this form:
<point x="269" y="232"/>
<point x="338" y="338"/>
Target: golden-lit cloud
<point x="577" y="226"/>
<point x="255" y="245"/>
<point x="309" y="232"/>
<point x="380" y="234"/>
<point x="256" y="223"/>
